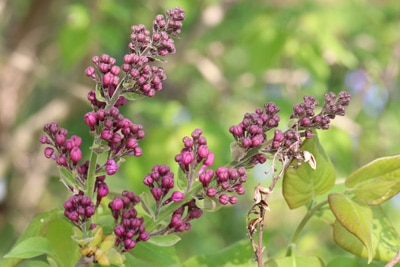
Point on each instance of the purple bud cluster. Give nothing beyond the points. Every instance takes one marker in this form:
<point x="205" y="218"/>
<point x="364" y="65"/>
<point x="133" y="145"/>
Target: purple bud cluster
<point x="140" y="77"/>
<point x="78" y="209"/>
<point x="195" y="152"/>
<point x="161" y="181"/>
<point x="333" y="106"/>
<point x="180" y="220"/>
<point x="129" y="229"/>
<point x="250" y="132"/>
<point x="66" y="152"/>
<point x="221" y="183"/>
<point x="107" y="78"/>
<point x="120" y="134"/>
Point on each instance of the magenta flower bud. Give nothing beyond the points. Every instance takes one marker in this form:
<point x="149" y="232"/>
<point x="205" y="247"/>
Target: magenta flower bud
<point x="108" y="79"/>
<point x="177" y="196"/>
<point x="211" y="192"/>
<point x="188" y="142"/>
<point x="90" y="71"/>
<point x="106" y="135"/>
<point x="209" y="160"/>
<point x="240" y="189"/>
<point x="61" y="161"/>
<point x="102" y="190"/>
<point x="138" y="151"/>
<point x="233" y="200"/>
<point x="44" y="139"/>
<point x="117" y="204"/>
<point x="144" y="236"/>
<point x="195" y="213"/>
<point x="203" y="151"/>
<point x="48" y="152"/>
<point x="90" y="119"/>
<point x="129" y="244"/>
<point x="75" y="154"/>
<point x="116" y="139"/>
<point x="224" y="199"/>
<point x="115" y="70"/>
<point x="92" y="226"/>
<point x="148" y="180"/>
<point x="119" y="230"/>
<point x="60" y="139"/>
<point x="76" y="140"/>
<point x="157" y="193"/>
<point x="187" y="157"/>
<point x="167" y="182"/>
<point x="111" y="167"/>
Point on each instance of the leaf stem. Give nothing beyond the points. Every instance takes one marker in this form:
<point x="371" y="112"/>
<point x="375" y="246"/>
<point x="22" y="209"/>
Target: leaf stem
<point x="302" y="224"/>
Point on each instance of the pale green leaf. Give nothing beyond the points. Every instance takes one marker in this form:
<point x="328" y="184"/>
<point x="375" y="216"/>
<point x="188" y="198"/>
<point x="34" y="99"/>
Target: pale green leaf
<point x="301" y="185"/>
<point x="354" y="217"/>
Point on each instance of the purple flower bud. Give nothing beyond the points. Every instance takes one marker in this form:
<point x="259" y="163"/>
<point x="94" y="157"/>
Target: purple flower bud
<point x="177" y="196"/>
<point x="233" y="200"/>
<point x="48" y="152"/>
<point x="106" y="135"/>
<point x="75" y="154"/>
<point x="240" y="189"/>
<point x="224" y="199"/>
<point x="187" y="157"/>
<point x="148" y="180"/>
<point x="195" y="213"/>
<point x="157" y="193"/>
<point x="108" y="79"/>
<point x="111" y="167"/>
<point x="90" y="119"/>
<point x="90" y="72"/>
<point x="211" y="192"/>
<point x="203" y="151"/>
<point x="116" y="205"/>
<point x="102" y="190"/>
<point x="129" y="244"/>
<point x="144" y="236"/>
<point x="167" y="182"/>
<point x="119" y="230"/>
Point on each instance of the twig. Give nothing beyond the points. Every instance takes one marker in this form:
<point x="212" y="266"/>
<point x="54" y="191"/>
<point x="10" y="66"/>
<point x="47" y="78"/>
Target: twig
<point x="395" y="260"/>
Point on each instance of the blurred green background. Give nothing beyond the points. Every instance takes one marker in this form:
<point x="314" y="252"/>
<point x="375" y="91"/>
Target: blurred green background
<point x="233" y="56"/>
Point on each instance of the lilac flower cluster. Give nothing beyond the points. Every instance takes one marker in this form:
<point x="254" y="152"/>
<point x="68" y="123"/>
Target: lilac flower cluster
<point x="120" y="133"/>
<point x="305" y="120"/>
<point x="129" y="228"/>
<point x="194" y="153"/>
<point x="161" y="181"/>
<point x="66" y="152"/>
<point x="332" y="106"/>
<point x="180" y="220"/>
<point x="140" y="77"/>
<point x="224" y="180"/>
<point x="79" y="209"/>
<point x="250" y="132"/>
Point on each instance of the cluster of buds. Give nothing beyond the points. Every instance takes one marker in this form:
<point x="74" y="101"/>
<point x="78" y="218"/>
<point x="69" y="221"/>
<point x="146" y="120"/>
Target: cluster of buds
<point x="250" y="132"/>
<point x="161" y="181"/>
<point x="221" y="183"/>
<point x="305" y="120"/>
<point x="120" y="133"/>
<point x="180" y="220"/>
<point x="66" y="152"/>
<point x="129" y="228"/>
<point x="140" y="76"/>
<point x="194" y="153"/>
<point x="78" y="209"/>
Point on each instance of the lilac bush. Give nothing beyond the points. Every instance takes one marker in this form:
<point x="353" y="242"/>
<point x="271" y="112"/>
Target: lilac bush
<point x="172" y="201"/>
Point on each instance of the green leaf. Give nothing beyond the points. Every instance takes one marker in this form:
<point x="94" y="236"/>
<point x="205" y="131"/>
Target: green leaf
<point x="164" y="240"/>
<point x="66" y="250"/>
<point x="385" y="240"/>
<point x="377" y="181"/>
<point x="132" y="96"/>
<point x="37" y="227"/>
<point x="295" y="261"/>
<point x="29" y="248"/>
<point x="301" y="185"/>
<point x="354" y="217"/>
<point x="238" y="254"/>
<point x="147" y="254"/>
